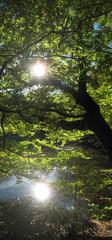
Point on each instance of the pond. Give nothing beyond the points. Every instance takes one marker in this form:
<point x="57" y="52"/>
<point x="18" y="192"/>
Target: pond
<point x="37" y="208"/>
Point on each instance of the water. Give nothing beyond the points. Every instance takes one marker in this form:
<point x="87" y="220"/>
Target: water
<point x="11" y="188"/>
<point x="22" y="216"/>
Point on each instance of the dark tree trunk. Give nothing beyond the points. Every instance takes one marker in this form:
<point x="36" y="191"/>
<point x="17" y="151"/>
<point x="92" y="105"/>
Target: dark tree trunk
<point x="95" y="121"/>
<point x="99" y="126"/>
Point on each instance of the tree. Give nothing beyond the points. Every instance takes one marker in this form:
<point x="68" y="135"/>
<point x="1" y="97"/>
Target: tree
<point x="74" y="39"/>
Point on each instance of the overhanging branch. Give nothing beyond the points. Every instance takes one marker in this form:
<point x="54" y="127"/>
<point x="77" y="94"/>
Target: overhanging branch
<point x="54" y="83"/>
<point x="62" y="113"/>
<point x="73" y="125"/>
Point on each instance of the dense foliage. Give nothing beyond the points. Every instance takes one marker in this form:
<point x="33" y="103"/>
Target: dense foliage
<point x="40" y="116"/>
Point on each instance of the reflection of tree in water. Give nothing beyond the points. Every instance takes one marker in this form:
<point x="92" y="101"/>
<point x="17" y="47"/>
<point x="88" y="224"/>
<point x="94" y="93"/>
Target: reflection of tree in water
<point x="26" y="220"/>
<point x="58" y="220"/>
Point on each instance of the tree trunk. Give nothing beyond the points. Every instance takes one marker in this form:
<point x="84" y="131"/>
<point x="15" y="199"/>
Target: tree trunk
<point x="95" y="121"/>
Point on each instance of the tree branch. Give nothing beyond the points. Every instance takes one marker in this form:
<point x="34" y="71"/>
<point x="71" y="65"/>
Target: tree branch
<point x="6" y="110"/>
<point x="3" y="129"/>
<point x="21" y="51"/>
<point x="60" y="112"/>
<point x="73" y="125"/>
<point x="54" y="83"/>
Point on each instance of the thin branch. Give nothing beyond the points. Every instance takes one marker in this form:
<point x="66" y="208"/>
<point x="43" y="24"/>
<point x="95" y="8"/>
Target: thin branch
<point x="73" y="125"/>
<point x="64" y="114"/>
<point x="4" y="66"/>
<point x="3" y="129"/>
<point x="54" y="83"/>
<point x="21" y="51"/>
<point x="6" y="110"/>
<point x="71" y="57"/>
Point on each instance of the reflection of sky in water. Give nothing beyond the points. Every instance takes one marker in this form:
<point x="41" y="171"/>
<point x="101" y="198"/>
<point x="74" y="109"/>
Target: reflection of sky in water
<point x="13" y="187"/>
<point x="9" y="182"/>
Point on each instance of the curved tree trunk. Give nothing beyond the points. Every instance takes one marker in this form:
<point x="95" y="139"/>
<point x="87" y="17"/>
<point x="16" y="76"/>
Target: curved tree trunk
<point x="95" y="120"/>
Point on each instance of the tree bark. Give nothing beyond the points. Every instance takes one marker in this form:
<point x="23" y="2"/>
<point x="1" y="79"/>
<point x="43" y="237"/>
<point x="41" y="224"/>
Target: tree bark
<point x="95" y="120"/>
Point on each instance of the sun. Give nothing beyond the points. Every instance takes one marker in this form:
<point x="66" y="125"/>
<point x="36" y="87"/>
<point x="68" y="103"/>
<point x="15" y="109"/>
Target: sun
<point x="41" y="191"/>
<point x="39" y="69"/>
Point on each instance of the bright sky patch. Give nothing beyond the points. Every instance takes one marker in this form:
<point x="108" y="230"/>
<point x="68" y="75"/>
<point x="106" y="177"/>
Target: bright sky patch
<point x="41" y="191"/>
<point x="39" y="69"/>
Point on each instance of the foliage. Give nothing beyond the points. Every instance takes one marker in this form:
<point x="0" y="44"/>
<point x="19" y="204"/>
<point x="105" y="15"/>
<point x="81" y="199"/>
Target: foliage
<point x="74" y="39"/>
